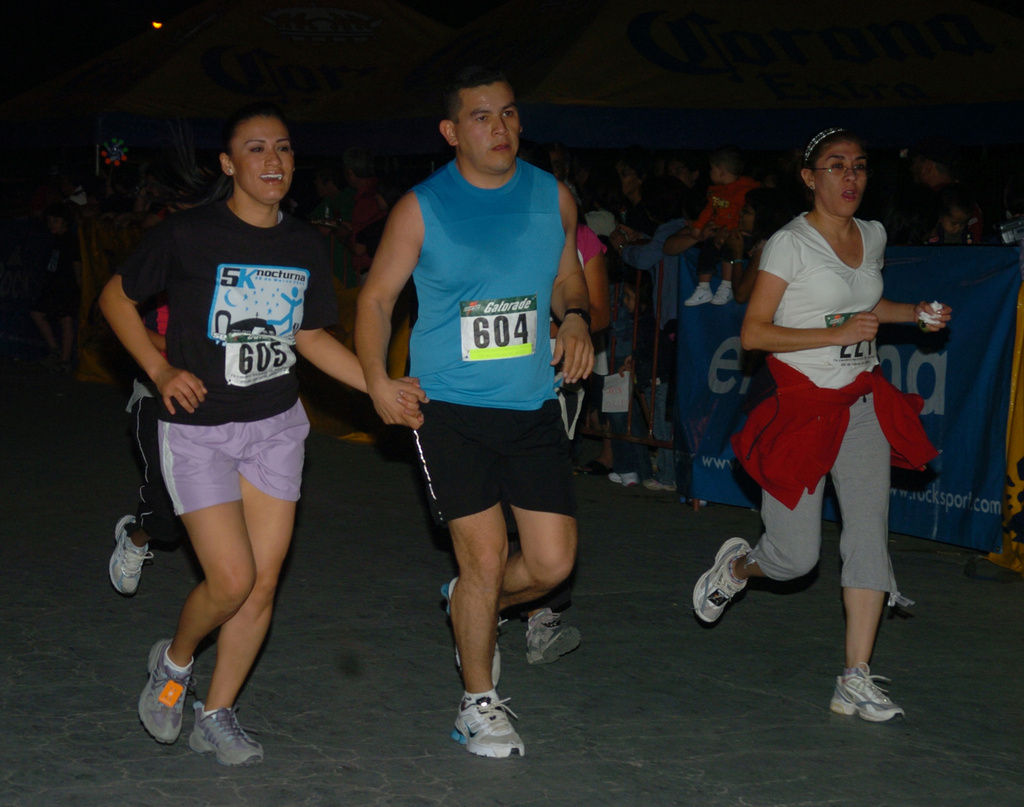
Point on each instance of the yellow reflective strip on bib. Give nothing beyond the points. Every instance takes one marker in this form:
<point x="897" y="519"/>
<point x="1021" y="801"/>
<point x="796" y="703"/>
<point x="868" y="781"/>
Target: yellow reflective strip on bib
<point x="509" y="352"/>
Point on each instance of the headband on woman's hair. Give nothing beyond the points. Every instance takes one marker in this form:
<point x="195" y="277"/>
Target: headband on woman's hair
<point x="818" y="138"/>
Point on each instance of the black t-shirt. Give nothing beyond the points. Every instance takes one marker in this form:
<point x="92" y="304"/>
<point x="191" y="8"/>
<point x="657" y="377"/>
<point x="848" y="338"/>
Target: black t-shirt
<point x="236" y="295"/>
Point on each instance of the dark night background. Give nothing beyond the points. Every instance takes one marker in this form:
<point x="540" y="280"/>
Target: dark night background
<point x="43" y="38"/>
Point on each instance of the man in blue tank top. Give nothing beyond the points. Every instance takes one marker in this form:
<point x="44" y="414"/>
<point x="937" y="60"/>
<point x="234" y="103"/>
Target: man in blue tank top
<point x="490" y="243"/>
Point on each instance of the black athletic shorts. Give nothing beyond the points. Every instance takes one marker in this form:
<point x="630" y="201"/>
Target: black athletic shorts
<point x="475" y="457"/>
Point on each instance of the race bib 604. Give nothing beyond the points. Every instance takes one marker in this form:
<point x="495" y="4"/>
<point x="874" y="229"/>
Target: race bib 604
<point x="498" y="329"/>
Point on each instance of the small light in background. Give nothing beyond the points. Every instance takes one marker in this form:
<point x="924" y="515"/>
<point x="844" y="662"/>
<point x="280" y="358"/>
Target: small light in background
<point x="157" y="25"/>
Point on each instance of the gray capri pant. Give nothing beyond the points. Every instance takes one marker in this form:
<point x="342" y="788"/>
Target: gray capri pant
<point x="791" y="543"/>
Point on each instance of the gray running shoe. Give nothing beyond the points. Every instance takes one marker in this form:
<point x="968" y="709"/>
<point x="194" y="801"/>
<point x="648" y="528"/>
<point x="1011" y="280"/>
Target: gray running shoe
<point x="547" y="639"/>
<point x="482" y="726"/>
<point x="163" y="698"/>
<point x="716" y="587"/>
<point x="220" y="733"/>
<point x="446" y="592"/>
<point x="127" y="559"/>
<point x="859" y="694"/>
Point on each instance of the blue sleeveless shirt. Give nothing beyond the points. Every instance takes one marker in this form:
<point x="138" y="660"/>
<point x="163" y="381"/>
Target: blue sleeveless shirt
<point x="483" y="282"/>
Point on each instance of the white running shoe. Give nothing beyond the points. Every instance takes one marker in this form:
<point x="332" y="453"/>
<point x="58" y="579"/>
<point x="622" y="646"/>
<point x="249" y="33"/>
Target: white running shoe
<point x="547" y="639"/>
<point x="702" y="294"/>
<point x="127" y="559"/>
<point x="858" y="693"/>
<point x="446" y="592"/>
<point x="628" y="480"/>
<point x="482" y="726"/>
<point x="717" y="586"/>
<point x="723" y="295"/>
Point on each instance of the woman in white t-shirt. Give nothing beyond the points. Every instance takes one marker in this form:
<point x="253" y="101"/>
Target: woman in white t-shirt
<point x="815" y="308"/>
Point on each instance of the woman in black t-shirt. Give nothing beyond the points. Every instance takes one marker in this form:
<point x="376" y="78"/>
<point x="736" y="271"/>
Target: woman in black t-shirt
<point x="247" y="287"/>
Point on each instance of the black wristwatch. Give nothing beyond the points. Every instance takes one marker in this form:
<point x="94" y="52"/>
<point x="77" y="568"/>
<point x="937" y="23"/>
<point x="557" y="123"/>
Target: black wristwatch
<point x="581" y="312"/>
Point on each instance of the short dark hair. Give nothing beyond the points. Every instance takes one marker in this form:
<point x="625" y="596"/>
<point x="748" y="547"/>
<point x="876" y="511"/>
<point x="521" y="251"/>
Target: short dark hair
<point x="258" y="109"/>
<point x="472" y="76"/>
<point x="728" y="157"/>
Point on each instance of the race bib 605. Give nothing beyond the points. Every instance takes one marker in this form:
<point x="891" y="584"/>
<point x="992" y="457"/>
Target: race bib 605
<point x="255" y="313"/>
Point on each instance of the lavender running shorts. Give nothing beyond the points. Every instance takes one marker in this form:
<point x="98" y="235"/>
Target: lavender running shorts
<point x="202" y="464"/>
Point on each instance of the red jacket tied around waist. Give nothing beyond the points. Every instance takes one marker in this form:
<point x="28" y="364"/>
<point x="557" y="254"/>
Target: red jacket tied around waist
<point x="792" y="439"/>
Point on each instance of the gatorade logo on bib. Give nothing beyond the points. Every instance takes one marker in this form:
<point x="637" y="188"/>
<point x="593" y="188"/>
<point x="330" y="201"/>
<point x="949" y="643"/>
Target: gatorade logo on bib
<point x="504" y="328"/>
<point x="860" y="355"/>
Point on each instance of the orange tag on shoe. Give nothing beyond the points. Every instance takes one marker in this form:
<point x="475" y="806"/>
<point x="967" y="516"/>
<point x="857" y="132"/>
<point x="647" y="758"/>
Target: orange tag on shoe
<point x="171" y="693"/>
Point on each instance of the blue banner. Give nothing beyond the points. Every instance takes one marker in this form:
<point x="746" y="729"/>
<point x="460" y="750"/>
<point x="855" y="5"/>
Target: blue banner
<point x="963" y="376"/>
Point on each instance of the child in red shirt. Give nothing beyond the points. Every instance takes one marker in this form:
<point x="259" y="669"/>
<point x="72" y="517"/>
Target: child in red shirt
<point x="720" y="215"/>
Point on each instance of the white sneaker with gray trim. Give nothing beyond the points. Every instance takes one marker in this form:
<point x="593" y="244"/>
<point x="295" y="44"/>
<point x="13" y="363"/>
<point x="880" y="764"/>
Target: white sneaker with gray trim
<point x="716" y="587"/>
<point x="483" y="727"/>
<point x="701" y="295"/>
<point x="127" y="559"/>
<point x="723" y="295"/>
<point x="859" y="694"/>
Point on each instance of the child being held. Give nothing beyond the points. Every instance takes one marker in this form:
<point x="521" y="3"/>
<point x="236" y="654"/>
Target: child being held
<point x="719" y="217"/>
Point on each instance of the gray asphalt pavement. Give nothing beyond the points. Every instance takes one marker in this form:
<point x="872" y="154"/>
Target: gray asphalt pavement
<point x="354" y="695"/>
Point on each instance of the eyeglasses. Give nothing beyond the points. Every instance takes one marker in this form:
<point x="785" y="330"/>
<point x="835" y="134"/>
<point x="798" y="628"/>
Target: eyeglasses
<point x="840" y="170"/>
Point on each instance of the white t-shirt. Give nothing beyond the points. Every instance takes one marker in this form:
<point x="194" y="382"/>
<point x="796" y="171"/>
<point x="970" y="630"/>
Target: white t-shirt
<point x="823" y="292"/>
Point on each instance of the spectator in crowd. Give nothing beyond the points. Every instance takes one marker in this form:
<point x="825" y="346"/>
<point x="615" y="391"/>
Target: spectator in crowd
<point x="933" y="164"/>
<point x="686" y="167"/>
<point x="331" y="215"/>
<point x="663" y="197"/>
<point x="602" y="200"/>
<point x="719" y="216"/>
<point x="631" y="461"/>
<point x="633" y="165"/>
<point x="955" y="211"/>
<point x="1011" y="230"/>
<point x="662" y="201"/>
<point x="764" y="212"/>
<point x="561" y="164"/>
<point x="781" y="172"/>
<point x="368" y="206"/>
<point x="59" y="296"/>
<point x="910" y="214"/>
